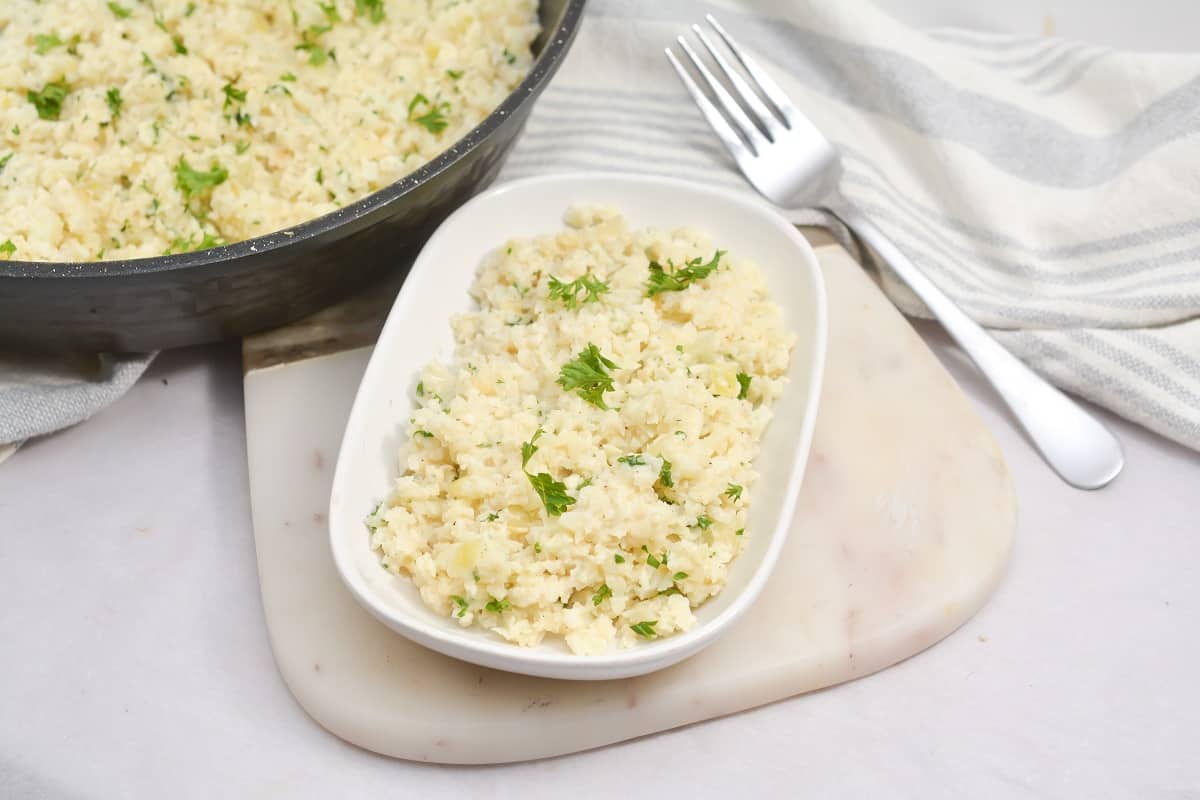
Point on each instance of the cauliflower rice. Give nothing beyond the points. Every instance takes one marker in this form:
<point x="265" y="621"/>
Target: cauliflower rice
<point x="136" y="128"/>
<point x="625" y="512"/>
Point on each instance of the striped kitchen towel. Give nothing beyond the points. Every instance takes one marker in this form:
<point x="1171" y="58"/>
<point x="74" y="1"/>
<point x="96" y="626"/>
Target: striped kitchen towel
<point x="1049" y="186"/>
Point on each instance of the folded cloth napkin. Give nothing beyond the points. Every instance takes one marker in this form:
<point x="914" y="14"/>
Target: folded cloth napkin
<point x="1047" y="185"/>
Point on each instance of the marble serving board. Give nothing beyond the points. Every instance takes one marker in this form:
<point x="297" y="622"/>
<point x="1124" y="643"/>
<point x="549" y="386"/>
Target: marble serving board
<point x="903" y="530"/>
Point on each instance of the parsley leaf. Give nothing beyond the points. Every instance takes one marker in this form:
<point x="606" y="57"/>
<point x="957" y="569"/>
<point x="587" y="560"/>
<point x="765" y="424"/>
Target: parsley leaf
<point x="703" y="522"/>
<point x="4" y="161"/>
<point x="454" y="74"/>
<point x="49" y="101"/>
<point x="462" y="604"/>
<point x="45" y="42"/>
<point x="120" y="12"/>
<point x="7" y="248"/>
<point x="497" y="606"/>
<point x="434" y="118"/>
<point x="233" y="95"/>
<point x="651" y="560"/>
<point x="193" y="182"/>
<point x="591" y="287"/>
<point x="734" y="491"/>
<point x="113" y="98"/>
<point x="587" y="376"/>
<point x="677" y="280"/>
<point x="664" y="474"/>
<point x="423" y="433"/>
<point x="679" y="576"/>
<point x="371" y="9"/>
<point x="553" y="493"/>
<point x="600" y="594"/>
<point x="617" y="557"/>
<point x="645" y="629"/>
<point x="739" y="531"/>
<point x="190" y="244"/>
<point x="634" y="460"/>
<point x="744" y="383"/>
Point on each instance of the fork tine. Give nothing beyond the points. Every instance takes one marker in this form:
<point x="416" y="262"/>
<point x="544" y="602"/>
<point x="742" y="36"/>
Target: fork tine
<point x="765" y="82"/>
<point x="725" y="132"/>
<point x="765" y="117"/>
<point x="748" y="129"/>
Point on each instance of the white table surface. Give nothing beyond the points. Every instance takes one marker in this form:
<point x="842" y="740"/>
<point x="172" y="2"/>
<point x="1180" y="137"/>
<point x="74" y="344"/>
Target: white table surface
<point x="134" y="660"/>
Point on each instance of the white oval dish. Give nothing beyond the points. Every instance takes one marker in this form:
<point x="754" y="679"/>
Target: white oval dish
<point x="418" y="331"/>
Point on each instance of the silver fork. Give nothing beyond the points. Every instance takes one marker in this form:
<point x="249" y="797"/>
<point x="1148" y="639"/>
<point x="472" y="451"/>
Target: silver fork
<point x="788" y="160"/>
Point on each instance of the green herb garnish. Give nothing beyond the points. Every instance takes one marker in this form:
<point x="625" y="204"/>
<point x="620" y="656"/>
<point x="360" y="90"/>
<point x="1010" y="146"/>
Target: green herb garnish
<point x="591" y="287"/>
<point x="434" y="117"/>
<point x="744" y="385"/>
<point x="703" y="522"/>
<point x="193" y="182"/>
<point x="552" y="493"/>
<point x="423" y="433"/>
<point x="45" y="42"/>
<point x="7" y="247"/>
<point x="49" y="101"/>
<point x="119" y="11"/>
<point x="4" y="161"/>
<point x="651" y="560"/>
<point x="113" y="98"/>
<point x="587" y="376"/>
<point x="677" y="280"/>
<point x="635" y="460"/>
<point x="462" y="604"/>
<point x="371" y="9"/>
<point x="233" y="95"/>
<point x="617" y="557"/>
<point x="454" y="74"/>
<point x="664" y="474"/>
<point x="645" y="629"/>
<point x="497" y="606"/>
<point x="739" y="531"/>
<point x="679" y="576"/>
<point x="733" y="491"/>
<point x="600" y="594"/>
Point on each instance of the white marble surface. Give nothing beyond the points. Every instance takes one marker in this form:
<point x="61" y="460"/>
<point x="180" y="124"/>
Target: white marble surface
<point x="134" y="660"/>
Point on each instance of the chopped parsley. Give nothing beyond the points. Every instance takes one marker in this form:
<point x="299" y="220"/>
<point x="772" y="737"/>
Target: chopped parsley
<point x="49" y="101"/>
<point x="191" y="244"/>
<point x="617" y="557"/>
<point x="553" y="493"/>
<point x="331" y="13"/>
<point x="509" y="58"/>
<point x="645" y="629"/>
<point x="423" y="433"/>
<point x="434" y="117"/>
<point x="462" y="604"/>
<point x="733" y="491"/>
<point x="600" y="594"/>
<point x="7" y="247"/>
<point x="454" y="74"/>
<point x="194" y="182"/>
<point x="744" y="385"/>
<point x="180" y="48"/>
<point x="45" y="42"/>
<point x="289" y="77"/>
<point x="497" y="606"/>
<point x="4" y="161"/>
<point x="587" y="376"/>
<point x="635" y="460"/>
<point x="241" y="147"/>
<point x="651" y="560"/>
<point x="739" y="531"/>
<point x="420" y="388"/>
<point x="591" y="287"/>
<point x="678" y="279"/>
<point x="537" y="547"/>
<point x="679" y="576"/>
<point x="233" y="94"/>
<point x="317" y="55"/>
<point x="703" y="522"/>
<point x="664" y="474"/>
<point x="119" y="11"/>
<point x="371" y="9"/>
<point x="113" y="98"/>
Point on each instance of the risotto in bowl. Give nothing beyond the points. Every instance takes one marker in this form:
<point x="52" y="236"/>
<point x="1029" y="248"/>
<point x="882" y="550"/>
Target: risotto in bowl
<point x="577" y="448"/>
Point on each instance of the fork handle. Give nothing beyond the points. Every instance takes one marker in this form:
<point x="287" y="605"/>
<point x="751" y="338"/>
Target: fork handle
<point x="1072" y="441"/>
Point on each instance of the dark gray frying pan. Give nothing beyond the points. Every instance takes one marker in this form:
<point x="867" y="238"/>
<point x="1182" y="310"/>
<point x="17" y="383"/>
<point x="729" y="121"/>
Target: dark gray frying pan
<point x="169" y="301"/>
